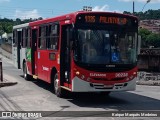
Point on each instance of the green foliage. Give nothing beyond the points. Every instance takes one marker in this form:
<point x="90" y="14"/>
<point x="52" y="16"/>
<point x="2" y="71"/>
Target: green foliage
<point x="150" y="14"/>
<point x="149" y="38"/>
<point x="153" y="40"/>
<point x="6" y="25"/>
<point x="144" y="33"/>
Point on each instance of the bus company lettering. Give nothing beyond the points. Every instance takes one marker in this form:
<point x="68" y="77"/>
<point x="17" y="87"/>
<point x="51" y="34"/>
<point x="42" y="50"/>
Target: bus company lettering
<point x="121" y="75"/>
<point x="97" y="75"/>
<point x="45" y="68"/>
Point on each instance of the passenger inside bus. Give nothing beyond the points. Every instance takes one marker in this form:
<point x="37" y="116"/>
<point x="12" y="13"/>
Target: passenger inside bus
<point x="88" y="51"/>
<point x="115" y="50"/>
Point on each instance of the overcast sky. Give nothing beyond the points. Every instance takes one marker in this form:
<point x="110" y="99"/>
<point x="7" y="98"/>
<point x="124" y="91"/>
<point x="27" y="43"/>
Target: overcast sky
<point x="49" y="8"/>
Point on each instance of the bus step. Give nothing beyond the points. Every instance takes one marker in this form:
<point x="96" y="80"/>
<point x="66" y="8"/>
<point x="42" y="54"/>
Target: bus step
<point x="35" y="77"/>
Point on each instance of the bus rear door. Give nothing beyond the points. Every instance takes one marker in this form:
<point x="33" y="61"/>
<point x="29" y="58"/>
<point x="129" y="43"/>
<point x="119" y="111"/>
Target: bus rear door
<point x="19" y="39"/>
<point x="34" y="51"/>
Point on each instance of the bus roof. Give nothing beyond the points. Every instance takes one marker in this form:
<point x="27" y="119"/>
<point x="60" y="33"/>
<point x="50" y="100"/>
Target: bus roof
<point x="21" y="26"/>
<point x="72" y="17"/>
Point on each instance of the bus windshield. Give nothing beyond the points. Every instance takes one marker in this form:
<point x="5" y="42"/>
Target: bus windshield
<point x="101" y="46"/>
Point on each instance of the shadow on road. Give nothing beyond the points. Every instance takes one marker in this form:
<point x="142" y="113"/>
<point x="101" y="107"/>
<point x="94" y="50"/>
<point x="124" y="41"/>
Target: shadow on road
<point x="116" y="100"/>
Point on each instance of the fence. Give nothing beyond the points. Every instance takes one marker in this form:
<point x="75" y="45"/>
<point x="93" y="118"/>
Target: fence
<point x="148" y="76"/>
<point x="149" y="60"/>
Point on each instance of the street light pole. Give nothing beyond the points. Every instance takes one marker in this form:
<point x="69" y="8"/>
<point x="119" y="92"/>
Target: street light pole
<point x="145" y="4"/>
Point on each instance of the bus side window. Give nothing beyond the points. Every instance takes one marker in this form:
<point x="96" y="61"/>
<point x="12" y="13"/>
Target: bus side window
<point x="14" y="37"/>
<point x="23" y="37"/>
<point x="48" y="31"/>
<point x="26" y="37"/>
<point x="29" y="39"/>
<point x="39" y="38"/>
<point x="54" y="37"/>
<point x="42" y="37"/>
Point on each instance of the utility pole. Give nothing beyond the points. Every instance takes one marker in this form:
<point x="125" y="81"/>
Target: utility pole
<point x="133" y="8"/>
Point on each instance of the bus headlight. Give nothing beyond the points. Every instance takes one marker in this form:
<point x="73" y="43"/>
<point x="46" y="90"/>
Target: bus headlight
<point x="77" y="73"/>
<point x="134" y="73"/>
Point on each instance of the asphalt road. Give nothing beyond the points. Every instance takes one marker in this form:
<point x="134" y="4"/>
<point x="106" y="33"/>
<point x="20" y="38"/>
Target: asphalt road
<point x="38" y="96"/>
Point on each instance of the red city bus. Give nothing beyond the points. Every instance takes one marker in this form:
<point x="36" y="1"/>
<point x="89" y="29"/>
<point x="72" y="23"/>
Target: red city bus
<point x="79" y="52"/>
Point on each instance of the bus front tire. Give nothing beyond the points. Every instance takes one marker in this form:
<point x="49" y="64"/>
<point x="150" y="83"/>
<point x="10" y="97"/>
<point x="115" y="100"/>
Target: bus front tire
<point x="25" y="74"/>
<point x="57" y="89"/>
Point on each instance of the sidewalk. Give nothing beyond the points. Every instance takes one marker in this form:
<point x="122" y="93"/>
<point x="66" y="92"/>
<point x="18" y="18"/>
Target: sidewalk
<point x="6" y="81"/>
<point x="5" y="53"/>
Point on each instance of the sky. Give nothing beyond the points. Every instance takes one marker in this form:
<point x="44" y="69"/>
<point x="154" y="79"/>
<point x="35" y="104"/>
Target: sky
<point x="25" y="9"/>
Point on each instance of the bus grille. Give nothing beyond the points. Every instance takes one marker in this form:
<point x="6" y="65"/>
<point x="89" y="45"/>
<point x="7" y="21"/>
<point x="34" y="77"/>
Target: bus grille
<point x="106" y="79"/>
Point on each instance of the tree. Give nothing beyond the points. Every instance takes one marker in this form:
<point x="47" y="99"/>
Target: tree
<point x="6" y="27"/>
<point x="150" y="14"/>
<point x="153" y="40"/>
<point x="18" y="21"/>
<point x="144" y="34"/>
<point x="126" y="12"/>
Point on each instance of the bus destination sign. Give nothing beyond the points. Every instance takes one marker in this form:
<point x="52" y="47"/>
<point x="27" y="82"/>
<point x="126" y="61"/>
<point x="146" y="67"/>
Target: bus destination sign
<point x="104" y="19"/>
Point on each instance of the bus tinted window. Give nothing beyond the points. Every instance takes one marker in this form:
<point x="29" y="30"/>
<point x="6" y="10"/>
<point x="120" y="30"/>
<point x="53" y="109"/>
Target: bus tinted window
<point x="54" y="37"/>
<point x="39" y="37"/>
<point x="23" y="37"/>
<point x="42" y="37"/>
<point x="14" y="37"/>
<point x="26" y="37"/>
<point x="29" y="39"/>
<point x="48" y="31"/>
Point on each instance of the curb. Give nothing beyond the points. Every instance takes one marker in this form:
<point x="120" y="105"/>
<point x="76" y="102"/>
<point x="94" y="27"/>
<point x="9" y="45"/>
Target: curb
<point x="7" y="84"/>
<point x="149" y="83"/>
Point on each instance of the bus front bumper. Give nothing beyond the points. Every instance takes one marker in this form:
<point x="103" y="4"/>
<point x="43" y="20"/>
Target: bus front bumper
<point x="79" y="85"/>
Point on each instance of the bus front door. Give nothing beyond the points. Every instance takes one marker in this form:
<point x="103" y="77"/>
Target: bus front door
<point x="65" y="61"/>
<point x="34" y="51"/>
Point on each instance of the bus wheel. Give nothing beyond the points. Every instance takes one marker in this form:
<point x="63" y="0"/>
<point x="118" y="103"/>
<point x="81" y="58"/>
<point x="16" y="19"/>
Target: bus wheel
<point x="25" y="75"/>
<point x="57" y="89"/>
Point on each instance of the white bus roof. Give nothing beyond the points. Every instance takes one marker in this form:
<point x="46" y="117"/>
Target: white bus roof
<point x="21" y="26"/>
